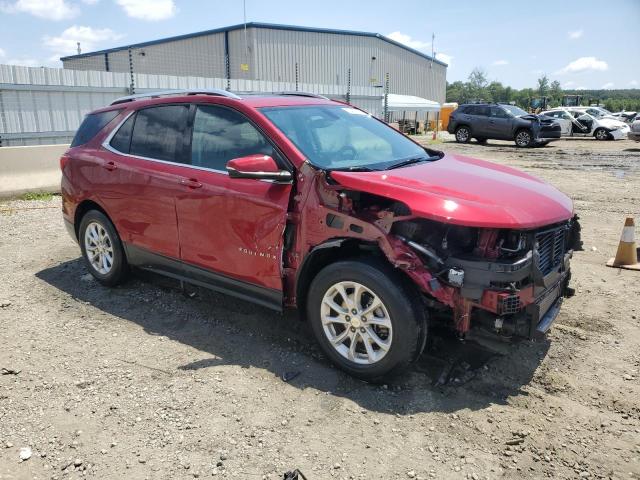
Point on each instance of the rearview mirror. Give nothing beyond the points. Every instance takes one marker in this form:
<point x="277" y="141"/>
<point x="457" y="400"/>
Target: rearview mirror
<point x="261" y="167"/>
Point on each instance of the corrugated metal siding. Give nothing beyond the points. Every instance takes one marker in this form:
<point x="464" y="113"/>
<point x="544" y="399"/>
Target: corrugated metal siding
<point x="322" y="58"/>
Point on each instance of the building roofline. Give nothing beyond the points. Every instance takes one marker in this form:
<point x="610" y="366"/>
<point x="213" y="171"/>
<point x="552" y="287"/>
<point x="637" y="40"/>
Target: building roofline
<point x="272" y="26"/>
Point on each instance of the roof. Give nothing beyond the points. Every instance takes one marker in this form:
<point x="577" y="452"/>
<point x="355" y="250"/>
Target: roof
<point x="271" y="26"/>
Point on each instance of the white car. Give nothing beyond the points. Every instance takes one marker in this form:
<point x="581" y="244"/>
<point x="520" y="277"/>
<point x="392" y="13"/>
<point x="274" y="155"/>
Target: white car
<point x="576" y="121"/>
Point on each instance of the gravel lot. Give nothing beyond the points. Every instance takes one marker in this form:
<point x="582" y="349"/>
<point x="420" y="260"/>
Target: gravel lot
<point x="145" y="382"/>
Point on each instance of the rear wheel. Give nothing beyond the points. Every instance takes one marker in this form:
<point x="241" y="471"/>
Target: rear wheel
<point x="366" y="318"/>
<point x="102" y="249"/>
<point x="463" y="134"/>
<point x="601" y="134"/>
<point x="523" y="138"/>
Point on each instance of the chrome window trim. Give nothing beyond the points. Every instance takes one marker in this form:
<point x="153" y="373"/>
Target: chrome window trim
<point x="107" y="145"/>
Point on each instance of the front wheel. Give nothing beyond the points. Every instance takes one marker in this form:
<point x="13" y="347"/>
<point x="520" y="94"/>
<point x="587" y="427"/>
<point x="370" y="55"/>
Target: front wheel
<point x="366" y="318"/>
<point x="524" y="139"/>
<point x="601" y="134"/>
<point x="463" y="134"/>
<point x="102" y="249"/>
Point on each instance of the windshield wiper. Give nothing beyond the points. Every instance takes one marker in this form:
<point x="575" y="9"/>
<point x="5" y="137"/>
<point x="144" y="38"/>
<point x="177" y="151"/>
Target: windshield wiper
<point x="354" y="168"/>
<point x="410" y="161"/>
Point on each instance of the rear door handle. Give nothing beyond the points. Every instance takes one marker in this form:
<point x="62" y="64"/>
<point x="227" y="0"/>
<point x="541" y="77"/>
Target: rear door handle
<point x="190" y="182"/>
<point x="111" y="166"/>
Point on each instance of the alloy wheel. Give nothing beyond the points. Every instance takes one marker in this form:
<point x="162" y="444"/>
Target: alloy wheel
<point x="356" y="322"/>
<point x="462" y="135"/>
<point x="99" y="248"/>
<point x="523" y="139"/>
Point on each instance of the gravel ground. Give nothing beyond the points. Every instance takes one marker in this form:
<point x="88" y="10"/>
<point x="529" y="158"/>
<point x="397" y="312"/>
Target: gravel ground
<point x="143" y="381"/>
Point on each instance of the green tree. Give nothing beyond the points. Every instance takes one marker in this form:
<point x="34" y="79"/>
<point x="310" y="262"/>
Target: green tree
<point x="555" y="92"/>
<point x="478" y="84"/>
<point x="543" y="85"/>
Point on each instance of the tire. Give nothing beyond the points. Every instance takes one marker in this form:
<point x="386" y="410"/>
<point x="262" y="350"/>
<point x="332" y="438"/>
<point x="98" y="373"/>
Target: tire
<point x="601" y="134"/>
<point x="481" y="141"/>
<point x="97" y="234"/>
<point x="463" y="134"/>
<point x="395" y="338"/>
<point x="523" y="138"/>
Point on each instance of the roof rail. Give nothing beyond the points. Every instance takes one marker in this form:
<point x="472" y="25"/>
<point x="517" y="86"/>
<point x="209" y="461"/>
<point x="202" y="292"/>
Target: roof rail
<point x="301" y="94"/>
<point x="167" y="93"/>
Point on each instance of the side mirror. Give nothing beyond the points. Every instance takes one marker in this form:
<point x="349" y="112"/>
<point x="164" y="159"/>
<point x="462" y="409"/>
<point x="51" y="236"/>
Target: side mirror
<point x="260" y="167"/>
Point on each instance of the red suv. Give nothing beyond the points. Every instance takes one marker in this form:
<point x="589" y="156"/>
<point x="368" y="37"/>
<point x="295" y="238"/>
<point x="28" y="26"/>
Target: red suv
<point x="294" y="200"/>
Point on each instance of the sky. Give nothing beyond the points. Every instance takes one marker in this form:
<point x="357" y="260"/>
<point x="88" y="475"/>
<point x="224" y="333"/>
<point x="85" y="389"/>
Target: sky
<point x="582" y="44"/>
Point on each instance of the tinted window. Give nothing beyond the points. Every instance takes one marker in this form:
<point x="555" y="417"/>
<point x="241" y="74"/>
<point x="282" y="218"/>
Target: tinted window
<point x="122" y="139"/>
<point x="497" y="112"/>
<point x="91" y="125"/>
<point x="158" y="132"/>
<point x="220" y="135"/>
<point x="478" y="110"/>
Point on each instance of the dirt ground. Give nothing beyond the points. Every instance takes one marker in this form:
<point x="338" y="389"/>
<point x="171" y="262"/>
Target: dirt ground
<point x="142" y="381"/>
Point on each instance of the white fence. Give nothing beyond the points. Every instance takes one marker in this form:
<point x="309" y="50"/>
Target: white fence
<point x="43" y="106"/>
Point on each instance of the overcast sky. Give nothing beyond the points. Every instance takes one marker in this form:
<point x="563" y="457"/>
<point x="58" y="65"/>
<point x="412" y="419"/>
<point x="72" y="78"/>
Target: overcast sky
<point x="583" y="44"/>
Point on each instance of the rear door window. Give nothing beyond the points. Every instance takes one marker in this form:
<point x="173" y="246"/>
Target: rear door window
<point x="91" y="125"/>
<point x="121" y="141"/>
<point x="159" y="133"/>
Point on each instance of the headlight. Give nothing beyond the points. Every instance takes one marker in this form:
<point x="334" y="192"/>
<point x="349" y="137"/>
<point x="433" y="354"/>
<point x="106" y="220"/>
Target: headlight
<point x="615" y="127"/>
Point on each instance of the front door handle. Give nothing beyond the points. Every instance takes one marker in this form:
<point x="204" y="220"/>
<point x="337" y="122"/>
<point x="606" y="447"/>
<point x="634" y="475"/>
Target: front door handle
<point x="111" y="166"/>
<point x="190" y="182"/>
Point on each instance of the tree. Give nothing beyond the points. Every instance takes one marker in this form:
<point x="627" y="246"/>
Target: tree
<point x="556" y="91"/>
<point x="543" y="85"/>
<point x="478" y="84"/>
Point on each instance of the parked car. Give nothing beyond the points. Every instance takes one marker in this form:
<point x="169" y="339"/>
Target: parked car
<point x="634" y="133"/>
<point x="626" y="117"/>
<point x="577" y="122"/>
<point x="495" y="121"/>
<point x="297" y="201"/>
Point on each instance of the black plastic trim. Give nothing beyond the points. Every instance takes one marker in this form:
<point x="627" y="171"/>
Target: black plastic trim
<point x="171" y="267"/>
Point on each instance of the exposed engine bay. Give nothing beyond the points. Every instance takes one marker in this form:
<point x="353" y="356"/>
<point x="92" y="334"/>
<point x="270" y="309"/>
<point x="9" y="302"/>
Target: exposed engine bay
<point x="504" y="280"/>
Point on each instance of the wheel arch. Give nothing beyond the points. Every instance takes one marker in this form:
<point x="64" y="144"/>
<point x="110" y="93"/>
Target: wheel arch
<point x="326" y="253"/>
<point x="82" y="209"/>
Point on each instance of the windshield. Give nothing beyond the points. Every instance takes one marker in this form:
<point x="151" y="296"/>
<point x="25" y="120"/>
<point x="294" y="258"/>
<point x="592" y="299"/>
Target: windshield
<point x="336" y="137"/>
<point x="515" y="111"/>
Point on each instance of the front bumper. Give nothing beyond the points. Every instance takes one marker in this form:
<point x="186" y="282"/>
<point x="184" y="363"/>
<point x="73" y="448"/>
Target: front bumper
<point x="619" y="133"/>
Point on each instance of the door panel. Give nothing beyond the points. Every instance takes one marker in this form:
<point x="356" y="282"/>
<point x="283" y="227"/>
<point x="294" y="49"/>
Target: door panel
<point x="139" y="195"/>
<point x="229" y="225"/>
<point x="499" y="124"/>
<point x="234" y="227"/>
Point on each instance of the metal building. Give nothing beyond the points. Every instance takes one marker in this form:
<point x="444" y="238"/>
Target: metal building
<point x="279" y="53"/>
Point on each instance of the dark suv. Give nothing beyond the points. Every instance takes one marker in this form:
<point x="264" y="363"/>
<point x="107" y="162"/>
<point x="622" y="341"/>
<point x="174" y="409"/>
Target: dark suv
<point x="297" y="201"/>
<point x="496" y="121"/>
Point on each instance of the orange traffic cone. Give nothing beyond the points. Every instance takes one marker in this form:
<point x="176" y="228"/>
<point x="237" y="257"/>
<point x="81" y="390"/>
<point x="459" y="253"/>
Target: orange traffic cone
<point x="627" y="254"/>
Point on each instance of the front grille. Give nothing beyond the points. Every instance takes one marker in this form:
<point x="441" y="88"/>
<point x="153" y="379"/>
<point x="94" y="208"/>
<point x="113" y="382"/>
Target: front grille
<point x="551" y="248"/>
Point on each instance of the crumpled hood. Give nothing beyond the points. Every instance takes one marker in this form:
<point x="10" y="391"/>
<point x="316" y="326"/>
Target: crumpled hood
<point x="466" y="191"/>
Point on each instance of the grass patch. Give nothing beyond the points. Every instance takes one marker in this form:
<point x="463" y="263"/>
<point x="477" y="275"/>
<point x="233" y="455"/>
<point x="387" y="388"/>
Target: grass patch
<point x="36" y="196"/>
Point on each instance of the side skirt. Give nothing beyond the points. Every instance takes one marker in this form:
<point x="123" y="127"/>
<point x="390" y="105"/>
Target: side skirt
<point x="170" y="267"/>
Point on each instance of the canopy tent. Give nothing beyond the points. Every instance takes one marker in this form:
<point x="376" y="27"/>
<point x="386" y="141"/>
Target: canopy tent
<point x="409" y="103"/>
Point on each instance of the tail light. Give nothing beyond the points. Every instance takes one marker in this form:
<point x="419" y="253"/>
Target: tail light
<point x="64" y="159"/>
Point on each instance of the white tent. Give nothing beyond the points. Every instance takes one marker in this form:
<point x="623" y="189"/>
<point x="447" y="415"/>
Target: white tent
<point x="409" y="103"/>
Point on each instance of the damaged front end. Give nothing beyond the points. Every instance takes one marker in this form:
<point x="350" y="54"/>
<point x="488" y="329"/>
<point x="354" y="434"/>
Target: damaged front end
<point x="511" y="282"/>
<point x="508" y="281"/>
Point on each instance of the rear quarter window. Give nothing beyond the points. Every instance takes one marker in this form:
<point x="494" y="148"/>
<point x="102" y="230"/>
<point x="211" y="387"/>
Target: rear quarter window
<point x="91" y="125"/>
